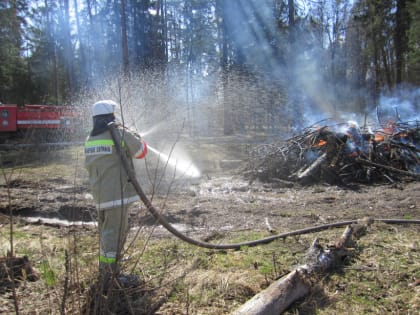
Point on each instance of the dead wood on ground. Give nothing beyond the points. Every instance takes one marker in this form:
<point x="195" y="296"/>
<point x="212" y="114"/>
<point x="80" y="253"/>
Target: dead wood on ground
<point x="298" y="283"/>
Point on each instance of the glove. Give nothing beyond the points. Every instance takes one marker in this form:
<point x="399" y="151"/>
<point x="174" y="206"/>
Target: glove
<point x="143" y="151"/>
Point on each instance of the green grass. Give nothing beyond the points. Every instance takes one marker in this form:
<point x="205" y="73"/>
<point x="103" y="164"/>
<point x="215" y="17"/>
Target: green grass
<point x="47" y="273"/>
<point x="376" y="280"/>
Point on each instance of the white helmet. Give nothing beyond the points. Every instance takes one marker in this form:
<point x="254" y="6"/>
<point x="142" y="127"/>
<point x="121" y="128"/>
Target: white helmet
<point x="104" y="107"/>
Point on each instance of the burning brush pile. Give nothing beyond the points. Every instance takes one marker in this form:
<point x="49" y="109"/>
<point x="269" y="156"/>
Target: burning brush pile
<point x="341" y="154"/>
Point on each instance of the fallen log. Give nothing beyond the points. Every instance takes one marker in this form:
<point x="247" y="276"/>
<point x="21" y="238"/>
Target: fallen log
<point x="297" y="284"/>
<point x="313" y="167"/>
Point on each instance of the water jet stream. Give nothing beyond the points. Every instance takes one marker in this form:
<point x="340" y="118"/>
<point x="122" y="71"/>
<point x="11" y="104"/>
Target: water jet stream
<point x="181" y="165"/>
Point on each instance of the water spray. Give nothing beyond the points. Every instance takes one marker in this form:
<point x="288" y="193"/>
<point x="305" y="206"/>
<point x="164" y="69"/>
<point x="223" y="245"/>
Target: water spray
<point x="181" y="165"/>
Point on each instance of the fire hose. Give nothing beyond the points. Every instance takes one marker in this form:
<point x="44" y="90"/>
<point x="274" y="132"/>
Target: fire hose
<point x="162" y="220"/>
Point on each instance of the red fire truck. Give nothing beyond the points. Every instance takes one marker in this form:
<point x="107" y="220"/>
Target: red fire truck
<point x="39" y="123"/>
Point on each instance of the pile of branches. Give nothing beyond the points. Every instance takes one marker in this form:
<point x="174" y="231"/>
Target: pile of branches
<point x="340" y="154"/>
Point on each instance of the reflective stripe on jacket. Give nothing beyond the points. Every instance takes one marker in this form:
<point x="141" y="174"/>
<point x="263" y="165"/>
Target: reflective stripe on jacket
<point x="109" y="183"/>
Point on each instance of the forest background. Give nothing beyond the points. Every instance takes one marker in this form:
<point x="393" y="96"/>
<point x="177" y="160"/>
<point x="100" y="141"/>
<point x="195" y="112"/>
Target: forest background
<point x="222" y="67"/>
<point x="212" y="68"/>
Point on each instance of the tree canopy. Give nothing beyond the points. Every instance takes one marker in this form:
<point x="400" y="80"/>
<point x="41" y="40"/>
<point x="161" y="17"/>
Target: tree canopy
<point x="266" y="61"/>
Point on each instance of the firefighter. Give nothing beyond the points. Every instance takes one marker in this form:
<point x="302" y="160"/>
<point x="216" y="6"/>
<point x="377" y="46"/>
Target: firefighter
<point x="111" y="189"/>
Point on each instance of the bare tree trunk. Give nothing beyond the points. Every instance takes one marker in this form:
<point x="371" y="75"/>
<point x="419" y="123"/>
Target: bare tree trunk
<point x="387" y="70"/>
<point x="68" y="53"/>
<point x="54" y="54"/>
<point x="376" y="62"/>
<point x="401" y="39"/>
<point x="164" y="28"/>
<point x="291" y="5"/>
<point x="223" y="38"/>
<point x="126" y="64"/>
<point x="82" y="63"/>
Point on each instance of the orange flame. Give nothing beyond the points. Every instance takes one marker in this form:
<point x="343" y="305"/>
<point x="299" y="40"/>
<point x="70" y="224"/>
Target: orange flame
<point x="320" y="143"/>
<point x="379" y="137"/>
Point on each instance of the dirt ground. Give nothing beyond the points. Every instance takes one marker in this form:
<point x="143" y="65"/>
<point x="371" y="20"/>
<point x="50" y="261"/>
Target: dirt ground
<point x="221" y="203"/>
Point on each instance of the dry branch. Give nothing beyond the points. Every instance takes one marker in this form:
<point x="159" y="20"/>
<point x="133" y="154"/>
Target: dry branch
<point x="308" y="171"/>
<point x="340" y="154"/>
<point x="297" y="284"/>
<point x="389" y="168"/>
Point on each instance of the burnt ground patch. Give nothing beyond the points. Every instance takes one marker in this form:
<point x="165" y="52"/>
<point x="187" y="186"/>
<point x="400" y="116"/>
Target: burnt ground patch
<point x="46" y="198"/>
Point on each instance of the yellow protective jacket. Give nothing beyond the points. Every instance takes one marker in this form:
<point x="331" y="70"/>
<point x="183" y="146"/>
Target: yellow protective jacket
<point x="109" y="183"/>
